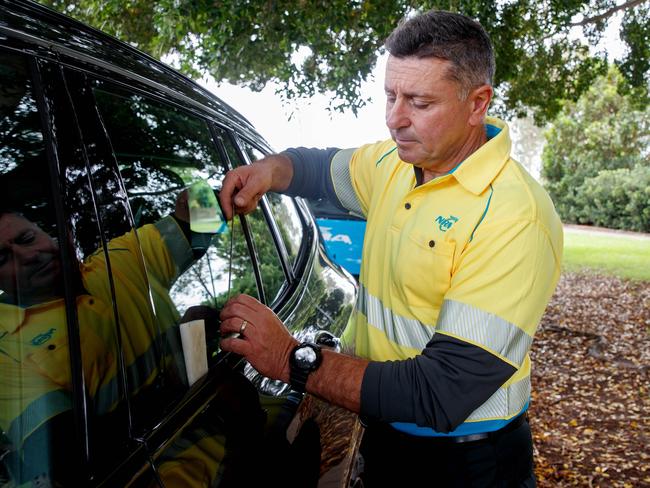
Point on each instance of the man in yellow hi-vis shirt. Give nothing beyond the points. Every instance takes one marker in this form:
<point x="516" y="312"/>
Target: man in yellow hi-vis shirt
<point x="461" y="254"/>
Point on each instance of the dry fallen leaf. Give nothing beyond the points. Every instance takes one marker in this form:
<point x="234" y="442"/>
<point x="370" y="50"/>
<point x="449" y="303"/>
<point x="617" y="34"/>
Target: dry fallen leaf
<point x="591" y="368"/>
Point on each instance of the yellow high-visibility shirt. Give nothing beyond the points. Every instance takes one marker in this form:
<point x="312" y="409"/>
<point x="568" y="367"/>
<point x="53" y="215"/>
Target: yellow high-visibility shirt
<point x="35" y="378"/>
<point x="474" y="254"/>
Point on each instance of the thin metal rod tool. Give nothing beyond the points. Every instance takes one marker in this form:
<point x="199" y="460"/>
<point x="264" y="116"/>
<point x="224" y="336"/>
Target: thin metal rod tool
<point x="232" y="242"/>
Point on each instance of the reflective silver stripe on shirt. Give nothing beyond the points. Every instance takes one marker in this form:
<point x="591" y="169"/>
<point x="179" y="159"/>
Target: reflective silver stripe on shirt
<point x="505" y="402"/>
<point x="340" y="171"/>
<point x="176" y="242"/>
<point x="401" y="330"/>
<point x="37" y="413"/>
<point x="484" y="328"/>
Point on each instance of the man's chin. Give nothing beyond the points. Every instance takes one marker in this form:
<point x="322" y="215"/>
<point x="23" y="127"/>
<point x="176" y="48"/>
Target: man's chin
<point x="407" y="155"/>
<point x="47" y="285"/>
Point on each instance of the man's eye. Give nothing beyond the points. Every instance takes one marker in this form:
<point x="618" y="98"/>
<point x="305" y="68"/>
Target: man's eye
<point x="26" y="237"/>
<point x="420" y="105"/>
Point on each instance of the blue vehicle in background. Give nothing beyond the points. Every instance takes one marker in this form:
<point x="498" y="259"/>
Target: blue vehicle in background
<point x="342" y="234"/>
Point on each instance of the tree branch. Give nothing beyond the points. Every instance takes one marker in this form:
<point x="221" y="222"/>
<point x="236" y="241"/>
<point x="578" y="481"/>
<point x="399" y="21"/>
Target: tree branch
<point x="608" y="13"/>
<point x="196" y="271"/>
<point x="155" y="193"/>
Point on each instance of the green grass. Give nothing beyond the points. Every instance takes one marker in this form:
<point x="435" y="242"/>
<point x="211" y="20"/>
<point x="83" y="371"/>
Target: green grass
<point x="619" y="255"/>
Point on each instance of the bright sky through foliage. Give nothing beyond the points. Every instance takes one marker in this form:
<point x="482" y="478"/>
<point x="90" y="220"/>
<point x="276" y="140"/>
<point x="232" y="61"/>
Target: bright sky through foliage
<point x="309" y="123"/>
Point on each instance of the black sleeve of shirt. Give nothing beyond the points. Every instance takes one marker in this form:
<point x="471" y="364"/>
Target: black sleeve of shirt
<point x="439" y="388"/>
<point x="198" y="241"/>
<point x="311" y="173"/>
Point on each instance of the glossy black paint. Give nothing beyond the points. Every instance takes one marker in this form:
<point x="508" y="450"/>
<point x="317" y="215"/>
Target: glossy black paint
<point x="66" y="40"/>
<point x="317" y="295"/>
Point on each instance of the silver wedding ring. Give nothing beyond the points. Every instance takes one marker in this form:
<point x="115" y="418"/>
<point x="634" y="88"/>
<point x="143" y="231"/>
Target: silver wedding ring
<point x="243" y="327"/>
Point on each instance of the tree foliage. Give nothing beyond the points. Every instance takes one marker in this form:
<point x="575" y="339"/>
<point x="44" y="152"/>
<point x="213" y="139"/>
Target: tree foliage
<point x="332" y="46"/>
<point x="618" y="199"/>
<point x="596" y="157"/>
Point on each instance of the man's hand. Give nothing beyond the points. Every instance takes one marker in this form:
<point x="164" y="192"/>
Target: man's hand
<point x="246" y="184"/>
<point x="265" y="342"/>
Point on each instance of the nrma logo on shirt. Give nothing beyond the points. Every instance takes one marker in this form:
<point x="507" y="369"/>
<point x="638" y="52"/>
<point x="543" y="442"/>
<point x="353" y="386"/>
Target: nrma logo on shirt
<point x="42" y="338"/>
<point x="445" y="223"/>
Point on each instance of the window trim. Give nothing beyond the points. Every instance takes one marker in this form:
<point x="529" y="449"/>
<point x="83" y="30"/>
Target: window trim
<point x="309" y="227"/>
<point x="268" y="215"/>
<point x="43" y="103"/>
<point x="221" y="133"/>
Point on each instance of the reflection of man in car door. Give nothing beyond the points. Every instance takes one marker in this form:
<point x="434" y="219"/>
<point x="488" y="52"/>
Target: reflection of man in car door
<point x="35" y="380"/>
<point x="36" y="269"/>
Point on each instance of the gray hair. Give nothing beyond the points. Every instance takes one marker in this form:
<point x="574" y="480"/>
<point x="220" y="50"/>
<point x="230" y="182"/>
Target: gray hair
<point x="452" y="37"/>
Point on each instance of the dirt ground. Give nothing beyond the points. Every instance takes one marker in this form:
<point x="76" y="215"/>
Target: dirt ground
<point x="590" y="410"/>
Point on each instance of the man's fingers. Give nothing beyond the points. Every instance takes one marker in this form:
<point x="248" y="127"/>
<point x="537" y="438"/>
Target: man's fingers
<point x="240" y="305"/>
<point x="241" y="188"/>
<point x="231" y="325"/>
<point x="236" y="345"/>
<point x="244" y="186"/>
<point x="231" y="184"/>
<point x="248" y="300"/>
<point x="246" y="198"/>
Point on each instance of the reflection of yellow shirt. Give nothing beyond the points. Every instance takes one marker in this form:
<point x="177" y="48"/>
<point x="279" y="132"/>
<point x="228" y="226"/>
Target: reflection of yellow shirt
<point x="35" y="376"/>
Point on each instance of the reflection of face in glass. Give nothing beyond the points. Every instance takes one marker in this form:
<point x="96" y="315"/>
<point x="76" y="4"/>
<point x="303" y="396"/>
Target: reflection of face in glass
<point x="30" y="269"/>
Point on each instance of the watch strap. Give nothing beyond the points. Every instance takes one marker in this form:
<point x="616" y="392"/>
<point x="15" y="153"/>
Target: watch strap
<point x="298" y="378"/>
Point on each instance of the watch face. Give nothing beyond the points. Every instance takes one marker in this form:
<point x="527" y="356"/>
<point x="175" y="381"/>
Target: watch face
<point x="305" y="357"/>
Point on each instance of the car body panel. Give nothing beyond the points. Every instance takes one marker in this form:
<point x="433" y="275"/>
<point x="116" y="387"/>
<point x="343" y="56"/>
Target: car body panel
<point x="92" y="207"/>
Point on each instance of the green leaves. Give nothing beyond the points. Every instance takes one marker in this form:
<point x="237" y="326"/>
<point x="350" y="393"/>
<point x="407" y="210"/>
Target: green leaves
<point x="316" y="46"/>
<point x="596" y="162"/>
<point x="618" y="199"/>
<point x="635" y="31"/>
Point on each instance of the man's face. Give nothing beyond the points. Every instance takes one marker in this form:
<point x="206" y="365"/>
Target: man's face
<point x="30" y="268"/>
<point x="426" y="119"/>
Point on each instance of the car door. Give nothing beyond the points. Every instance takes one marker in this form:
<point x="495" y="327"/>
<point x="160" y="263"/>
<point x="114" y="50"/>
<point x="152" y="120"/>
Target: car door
<point x="169" y="163"/>
<point x="118" y="171"/>
<point x="62" y="382"/>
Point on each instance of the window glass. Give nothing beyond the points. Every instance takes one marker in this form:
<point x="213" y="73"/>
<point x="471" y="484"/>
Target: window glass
<point x="35" y="377"/>
<point x="270" y="264"/>
<point x="284" y="211"/>
<point x="171" y="171"/>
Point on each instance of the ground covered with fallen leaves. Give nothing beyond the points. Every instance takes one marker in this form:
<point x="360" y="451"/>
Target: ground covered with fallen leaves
<point x="590" y="410"/>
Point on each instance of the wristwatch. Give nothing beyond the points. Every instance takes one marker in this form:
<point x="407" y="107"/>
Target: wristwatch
<point x="305" y="359"/>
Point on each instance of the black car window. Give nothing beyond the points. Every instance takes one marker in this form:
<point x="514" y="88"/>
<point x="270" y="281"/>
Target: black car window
<point x="272" y="270"/>
<point x="171" y="169"/>
<point x="283" y="209"/>
<point x="35" y="375"/>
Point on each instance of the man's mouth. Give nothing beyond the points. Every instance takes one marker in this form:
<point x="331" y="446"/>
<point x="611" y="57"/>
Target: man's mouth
<point x="48" y="267"/>
<point x="401" y="140"/>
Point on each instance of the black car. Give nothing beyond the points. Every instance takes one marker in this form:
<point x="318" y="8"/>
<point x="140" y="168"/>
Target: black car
<point x="114" y="262"/>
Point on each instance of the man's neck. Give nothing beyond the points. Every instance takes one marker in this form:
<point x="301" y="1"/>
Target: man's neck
<point x="476" y="139"/>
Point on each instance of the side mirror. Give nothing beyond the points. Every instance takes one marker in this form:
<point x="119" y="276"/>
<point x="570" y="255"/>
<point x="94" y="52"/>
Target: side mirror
<point x="206" y="216"/>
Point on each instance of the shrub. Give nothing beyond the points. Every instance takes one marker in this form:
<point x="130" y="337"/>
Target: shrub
<point x="618" y="199"/>
<point x="605" y="130"/>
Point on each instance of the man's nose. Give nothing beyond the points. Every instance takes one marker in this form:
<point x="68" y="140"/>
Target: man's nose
<point x="397" y="115"/>
<point x="25" y="255"/>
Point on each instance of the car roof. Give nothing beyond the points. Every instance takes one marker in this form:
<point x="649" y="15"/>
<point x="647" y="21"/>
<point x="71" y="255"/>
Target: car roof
<point x="72" y="42"/>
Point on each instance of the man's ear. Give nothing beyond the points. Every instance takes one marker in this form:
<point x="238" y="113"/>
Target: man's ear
<point x="479" y="99"/>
